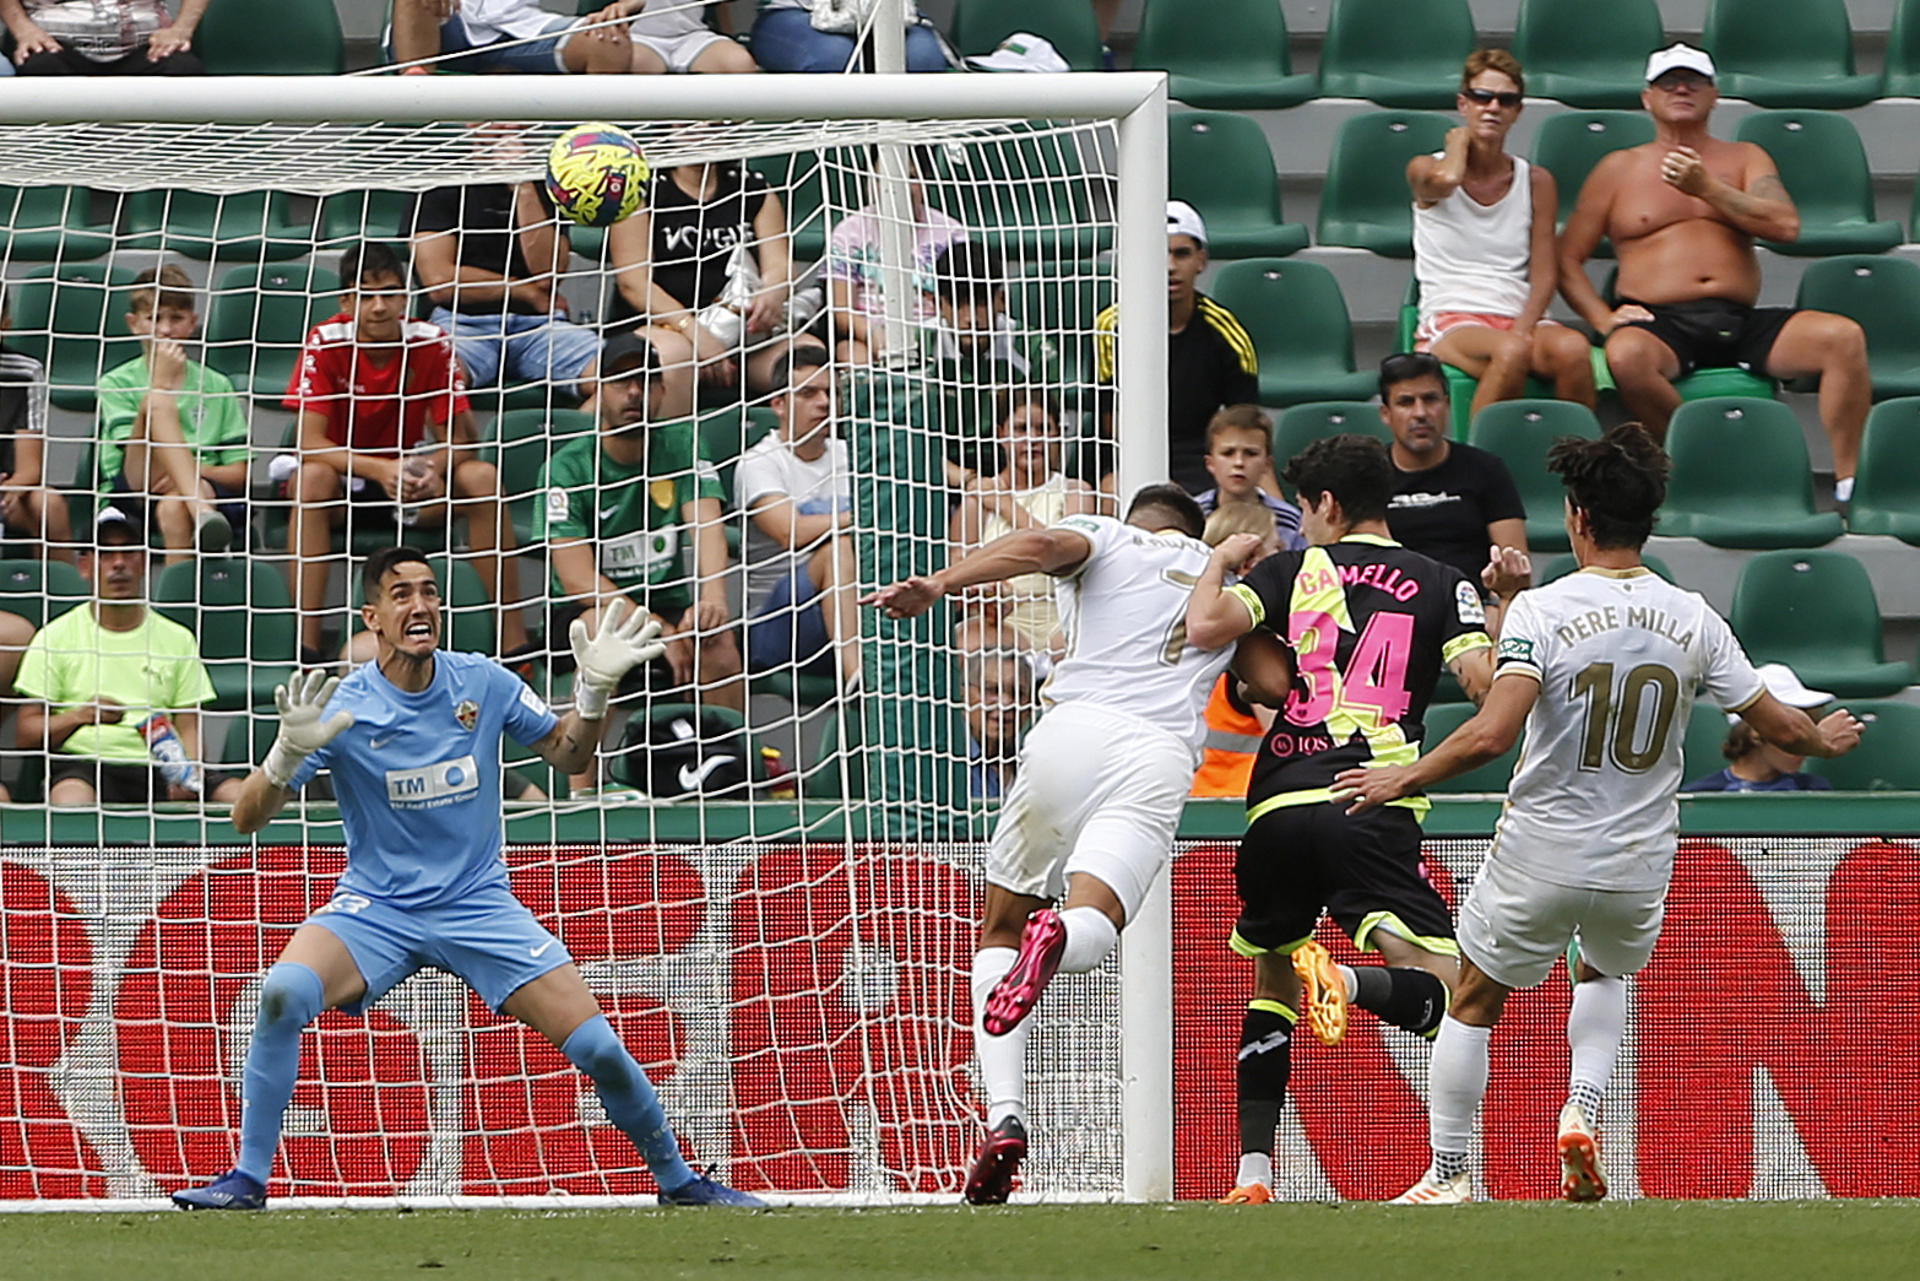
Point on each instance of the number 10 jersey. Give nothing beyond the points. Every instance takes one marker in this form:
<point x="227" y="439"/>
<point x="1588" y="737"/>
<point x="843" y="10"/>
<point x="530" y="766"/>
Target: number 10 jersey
<point x="1619" y="655"/>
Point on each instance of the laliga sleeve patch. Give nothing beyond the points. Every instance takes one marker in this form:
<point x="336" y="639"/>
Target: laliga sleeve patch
<point x="556" y="506"/>
<point x="1472" y="612"/>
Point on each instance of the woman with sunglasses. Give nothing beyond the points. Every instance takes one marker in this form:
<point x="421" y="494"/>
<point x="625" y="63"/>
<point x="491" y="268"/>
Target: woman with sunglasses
<point x="1483" y="249"/>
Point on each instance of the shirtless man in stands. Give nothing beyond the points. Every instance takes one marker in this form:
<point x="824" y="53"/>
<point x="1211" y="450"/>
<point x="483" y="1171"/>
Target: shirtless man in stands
<point x="1683" y="212"/>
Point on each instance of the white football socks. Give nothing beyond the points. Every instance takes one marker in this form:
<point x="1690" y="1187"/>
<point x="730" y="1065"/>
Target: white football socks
<point x="1255" y="1167"/>
<point x="1456" y="1081"/>
<point x="1091" y="935"/>
<point x="1596" y="1024"/>
<point x="1003" y="1059"/>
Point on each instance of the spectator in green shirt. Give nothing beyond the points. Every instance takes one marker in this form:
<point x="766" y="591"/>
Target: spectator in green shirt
<point x="173" y="433"/>
<point x="93" y="675"/>
<point x="620" y="510"/>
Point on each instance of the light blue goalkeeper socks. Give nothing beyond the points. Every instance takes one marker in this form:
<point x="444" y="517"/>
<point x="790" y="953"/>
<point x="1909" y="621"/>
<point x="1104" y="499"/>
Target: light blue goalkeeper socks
<point x="290" y="998"/>
<point x="629" y="1099"/>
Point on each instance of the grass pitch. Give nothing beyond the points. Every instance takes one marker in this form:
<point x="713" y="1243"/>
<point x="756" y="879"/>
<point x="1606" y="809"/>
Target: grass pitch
<point x="1656" y="1240"/>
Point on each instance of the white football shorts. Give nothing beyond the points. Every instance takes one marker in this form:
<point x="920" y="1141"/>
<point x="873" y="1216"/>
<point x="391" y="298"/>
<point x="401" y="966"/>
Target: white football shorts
<point x="1513" y="926"/>
<point x="677" y="51"/>
<point x="1097" y="791"/>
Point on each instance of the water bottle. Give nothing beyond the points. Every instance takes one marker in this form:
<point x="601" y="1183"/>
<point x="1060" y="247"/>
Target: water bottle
<point x="417" y="467"/>
<point x="169" y="753"/>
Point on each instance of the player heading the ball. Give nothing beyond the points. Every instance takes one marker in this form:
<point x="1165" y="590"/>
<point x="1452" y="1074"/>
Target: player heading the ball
<point x="413" y="741"/>
<point x="1103" y="775"/>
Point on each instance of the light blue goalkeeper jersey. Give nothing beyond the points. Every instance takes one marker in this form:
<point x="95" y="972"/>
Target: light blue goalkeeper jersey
<point x="418" y="777"/>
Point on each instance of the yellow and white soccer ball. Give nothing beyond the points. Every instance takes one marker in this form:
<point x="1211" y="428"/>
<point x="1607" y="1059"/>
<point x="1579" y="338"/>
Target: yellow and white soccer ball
<point x="596" y="174"/>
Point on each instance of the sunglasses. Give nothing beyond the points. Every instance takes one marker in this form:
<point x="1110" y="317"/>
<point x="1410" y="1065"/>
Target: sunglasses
<point x="1486" y="96"/>
<point x="1675" y="79"/>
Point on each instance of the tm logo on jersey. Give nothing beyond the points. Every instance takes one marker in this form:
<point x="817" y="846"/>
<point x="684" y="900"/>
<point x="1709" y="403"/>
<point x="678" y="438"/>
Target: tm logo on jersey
<point x="447" y="783"/>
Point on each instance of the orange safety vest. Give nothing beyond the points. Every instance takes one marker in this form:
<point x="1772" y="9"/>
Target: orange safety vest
<point x="1233" y="740"/>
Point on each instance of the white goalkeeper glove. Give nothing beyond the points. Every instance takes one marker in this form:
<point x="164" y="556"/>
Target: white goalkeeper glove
<point x="627" y="638"/>
<point x="302" y="732"/>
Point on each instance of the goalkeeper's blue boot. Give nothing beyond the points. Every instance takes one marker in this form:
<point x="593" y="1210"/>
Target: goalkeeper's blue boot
<point x="231" y="1191"/>
<point x="707" y="1191"/>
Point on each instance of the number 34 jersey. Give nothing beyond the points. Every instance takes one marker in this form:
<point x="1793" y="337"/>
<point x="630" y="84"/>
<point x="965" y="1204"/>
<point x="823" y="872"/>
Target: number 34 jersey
<point x="1370" y="623"/>
<point x="1619" y="655"/>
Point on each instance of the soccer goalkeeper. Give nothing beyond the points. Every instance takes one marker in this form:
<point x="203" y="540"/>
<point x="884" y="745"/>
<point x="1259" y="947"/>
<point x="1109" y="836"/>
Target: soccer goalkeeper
<point x="413" y="742"/>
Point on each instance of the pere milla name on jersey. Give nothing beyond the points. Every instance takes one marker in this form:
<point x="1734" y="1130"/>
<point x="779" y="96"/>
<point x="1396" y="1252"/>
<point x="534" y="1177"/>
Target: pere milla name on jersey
<point x="1642" y="617"/>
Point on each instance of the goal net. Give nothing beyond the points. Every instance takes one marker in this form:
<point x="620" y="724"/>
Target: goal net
<point x="772" y="876"/>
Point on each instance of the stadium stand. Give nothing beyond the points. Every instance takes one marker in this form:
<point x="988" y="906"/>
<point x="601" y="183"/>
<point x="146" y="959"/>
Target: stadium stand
<point x="1883" y="295"/>
<point x="1786" y="53"/>
<point x="243" y="617"/>
<point x="1741" y="477"/>
<point x="1584" y="54"/>
<point x="1816" y="612"/>
<point x="1445" y="717"/>
<point x="1298" y="322"/>
<point x="258" y="318"/>
<point x="980" y="25"/>
<point x="1903" y="52"/>
<point x="1886" y="495"/>
<point x="303" y="39"/>
<point x="1825" y="170"/>
<point x="73" y="318"/>
<point x="1251" y="68"/>
<point x="1545" y="571"/>
<point x="244" y="228"/>
<point x="348" y="216"/>
<point x="1218" y="162"/>
<point x="1886" y="760"/>
<point x="1364" y="203"/>
<point x="1301" y="425"/>
<point x="1569" y="145"/>
<point x="1396" y="54"/>
<point x="1520" y="432"/>
<point x="44" y="224"/>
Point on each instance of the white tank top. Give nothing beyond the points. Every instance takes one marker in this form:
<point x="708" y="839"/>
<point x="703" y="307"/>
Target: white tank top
<point x="1473" y="257"/>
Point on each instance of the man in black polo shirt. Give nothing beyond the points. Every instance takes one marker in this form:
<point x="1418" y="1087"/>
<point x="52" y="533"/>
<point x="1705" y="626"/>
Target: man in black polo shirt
<point x="490" y="257"/>
<point x="1452" y="502"/>
<point x="1211" y="362"/>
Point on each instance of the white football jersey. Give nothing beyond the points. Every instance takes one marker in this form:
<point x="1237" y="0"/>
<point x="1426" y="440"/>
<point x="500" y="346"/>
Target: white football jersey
<point x="1619" y="655"/>
<point x="1124" y="611"/>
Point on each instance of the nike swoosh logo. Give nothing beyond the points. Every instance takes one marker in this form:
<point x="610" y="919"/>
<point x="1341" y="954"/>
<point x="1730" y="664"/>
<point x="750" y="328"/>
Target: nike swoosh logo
<point x="690" y="778"/>
<point x="608" y="513"/>
<point x="378" y="741"/>
<point x="536" y="951"/>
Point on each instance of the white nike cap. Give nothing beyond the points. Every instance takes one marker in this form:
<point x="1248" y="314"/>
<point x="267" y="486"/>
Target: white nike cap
<point x="1678" y="57"/>
<point x="1184" y="220"/>
<point x="1021" y="51"/>
<point x="1783" y="684"/>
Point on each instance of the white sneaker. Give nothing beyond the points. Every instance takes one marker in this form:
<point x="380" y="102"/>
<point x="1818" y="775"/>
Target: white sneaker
<point x="1435" y="1191"/>
<point x="1582" y="1176"/>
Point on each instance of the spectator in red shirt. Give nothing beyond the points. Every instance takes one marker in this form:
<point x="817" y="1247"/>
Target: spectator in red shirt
<point x="370" y="384"/>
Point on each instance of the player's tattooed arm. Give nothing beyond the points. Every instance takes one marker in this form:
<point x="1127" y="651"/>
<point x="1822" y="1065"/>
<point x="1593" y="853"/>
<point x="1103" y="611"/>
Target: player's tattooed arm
<point x="572" y="743"/>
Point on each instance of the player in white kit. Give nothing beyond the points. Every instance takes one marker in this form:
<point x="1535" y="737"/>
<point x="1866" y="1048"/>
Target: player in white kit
<point x="1601" y="666"/>
<point x="1104" y="773"/>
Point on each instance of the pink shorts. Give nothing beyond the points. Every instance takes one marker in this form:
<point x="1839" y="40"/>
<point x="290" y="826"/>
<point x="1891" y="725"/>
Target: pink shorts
<point x="1436" y="326"/>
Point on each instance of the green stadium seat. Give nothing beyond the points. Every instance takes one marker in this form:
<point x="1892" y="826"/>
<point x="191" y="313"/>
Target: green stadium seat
<point x="1883" y="295"/>
<point x="1888" y="757"/>
<point x="1560" y="566"/>
<point x="1065" y="312"/>
<point x="1903" y="52"/>
<point x="1886" y="493"/>
<point x="1786" y="53"/>
<point x="467" y="613"/>
<point x="244" y="619"/>
<point x="1297" y="319"/>
<point x="1394" y="53"/>
<point x="249" y="226"/>
<point x="303" y="38"/>
<point x="822" y="781"/>
<point x="522" y="440"/>
<point x="1461" y="387"/>
<point x="795" y="178"/>
<point x="1251" y="71"/>
<point x="73" y="318"/>
<point x="1741" y="477"/>
<point x="1301" y="425"/>
<point x="1030" y="194"/>
<point x="257" y="323"/>
<point x="247" y="739"/>
<point x="1520" y="432"/>
<point x="1220" y="163"/>
<point x="1825" y="170"/>
<point x="1586" y="54"/>
<point x="1816" y="612"/>
<point x="50" y="224"/>
<point x="1493" y="777"/>
<point x="1700" y="753"/>
<point x="349" y="216"/>
<point x="1569" y="145"/>
<point x="1365" y="203"/>
<point x="980" y="25"/>
<point x="40" y="590"/>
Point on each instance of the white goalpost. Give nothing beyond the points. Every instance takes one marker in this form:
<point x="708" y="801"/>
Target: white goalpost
<point x="782" y="936"/>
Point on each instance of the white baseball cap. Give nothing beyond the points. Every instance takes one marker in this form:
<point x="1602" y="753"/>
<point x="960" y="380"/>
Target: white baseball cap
<point x="1783" y="684"/>
<point x="1021" y="51"/>
<point x="1184" y="220"/>
<point x="1678" y="57"/>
